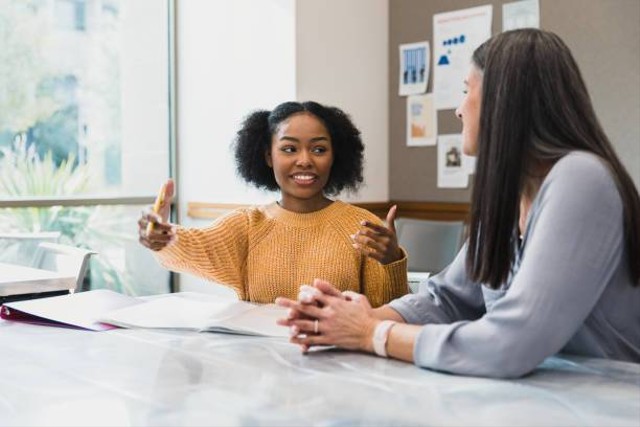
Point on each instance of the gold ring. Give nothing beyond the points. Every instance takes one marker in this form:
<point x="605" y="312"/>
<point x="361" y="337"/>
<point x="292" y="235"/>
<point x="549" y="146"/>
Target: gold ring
<point x="315" y="326"/>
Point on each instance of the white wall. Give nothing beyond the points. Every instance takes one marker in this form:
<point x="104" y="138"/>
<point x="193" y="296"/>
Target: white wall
<point x="232" y="57"/>
<point x="342" y="60"/>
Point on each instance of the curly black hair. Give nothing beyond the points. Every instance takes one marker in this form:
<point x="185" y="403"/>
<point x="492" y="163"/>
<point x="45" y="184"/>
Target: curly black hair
<point x="253" y="140"/>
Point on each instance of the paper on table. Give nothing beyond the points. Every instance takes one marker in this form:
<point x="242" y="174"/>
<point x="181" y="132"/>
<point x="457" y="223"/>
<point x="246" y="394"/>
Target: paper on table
<point x="182" y="312"/>
<point x="81" y="309"/>
<point x="167" y="312"/>
<point x="252" y="320"/>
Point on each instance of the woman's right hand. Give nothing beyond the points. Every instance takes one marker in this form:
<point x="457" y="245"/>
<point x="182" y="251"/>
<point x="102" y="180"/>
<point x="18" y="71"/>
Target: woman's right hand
<point x="161" y="233"/>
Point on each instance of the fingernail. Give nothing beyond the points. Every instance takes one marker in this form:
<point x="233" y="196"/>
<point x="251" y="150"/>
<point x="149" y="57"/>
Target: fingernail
<point x="290" y="313"/>
<point x="293" y="331"/>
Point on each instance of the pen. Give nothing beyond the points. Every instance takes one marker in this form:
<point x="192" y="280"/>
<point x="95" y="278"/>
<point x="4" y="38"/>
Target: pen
<point x="156" y="206"/>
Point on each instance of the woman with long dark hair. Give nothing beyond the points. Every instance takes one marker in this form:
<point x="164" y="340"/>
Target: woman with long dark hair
<point x="552" y="262"/>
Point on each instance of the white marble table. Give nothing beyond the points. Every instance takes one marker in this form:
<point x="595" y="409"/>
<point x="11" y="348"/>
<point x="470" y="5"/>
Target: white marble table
<point x="57" y="376"/>
<point x="18" y="279"/>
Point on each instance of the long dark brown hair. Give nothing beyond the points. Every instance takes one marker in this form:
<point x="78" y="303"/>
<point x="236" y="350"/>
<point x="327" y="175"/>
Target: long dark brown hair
<point x="535" y="110"/>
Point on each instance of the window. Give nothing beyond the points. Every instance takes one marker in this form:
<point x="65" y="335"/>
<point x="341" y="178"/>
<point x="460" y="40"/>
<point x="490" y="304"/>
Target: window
<point x="71" y="14"/>
<point x="85" y="130"/>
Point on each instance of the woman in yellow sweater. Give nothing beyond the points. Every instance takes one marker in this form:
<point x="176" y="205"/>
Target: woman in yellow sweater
<point x="307" y="152"/>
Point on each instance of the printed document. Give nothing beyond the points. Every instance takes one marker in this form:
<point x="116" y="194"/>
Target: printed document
<point x="103" y="309"/>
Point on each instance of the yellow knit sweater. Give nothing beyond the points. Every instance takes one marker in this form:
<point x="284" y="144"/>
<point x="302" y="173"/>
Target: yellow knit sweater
<point x="266" y="251"/>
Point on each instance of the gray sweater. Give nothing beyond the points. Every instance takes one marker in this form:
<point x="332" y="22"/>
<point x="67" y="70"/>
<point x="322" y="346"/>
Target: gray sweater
<point x="569" y="290"/>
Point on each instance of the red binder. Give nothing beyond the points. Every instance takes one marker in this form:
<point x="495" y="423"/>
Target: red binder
<point x="80" y="310"/>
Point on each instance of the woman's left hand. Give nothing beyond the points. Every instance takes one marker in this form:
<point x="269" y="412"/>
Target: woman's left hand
<point x="346" y="322"/>
<point x="379" y="242"/>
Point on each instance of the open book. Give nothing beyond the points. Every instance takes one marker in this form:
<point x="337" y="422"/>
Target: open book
<point x="191" y="312"/>
<point x="103" y="309"/>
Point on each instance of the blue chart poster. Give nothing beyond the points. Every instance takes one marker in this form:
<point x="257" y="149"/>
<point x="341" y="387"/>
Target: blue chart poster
<point x="414" y="68"/>
<point x="455" y="36"/>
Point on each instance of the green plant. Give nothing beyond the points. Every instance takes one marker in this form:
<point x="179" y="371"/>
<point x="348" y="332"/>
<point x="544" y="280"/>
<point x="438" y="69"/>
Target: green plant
<point x="24" y="174"/>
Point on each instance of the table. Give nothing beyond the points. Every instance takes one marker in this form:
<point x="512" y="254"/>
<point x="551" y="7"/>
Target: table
<point x="18" y="279"/>
<point x="58" y="376"/>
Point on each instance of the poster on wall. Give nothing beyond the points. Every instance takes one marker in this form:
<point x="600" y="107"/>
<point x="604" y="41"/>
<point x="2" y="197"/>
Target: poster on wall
<point x="452" y="164"/>
<point x="521" y="14"/>
<point x="414" y="68"/>
<point x="455" y="36"/>
<point x="422" y="128"/>
<point x="469" y="163"/>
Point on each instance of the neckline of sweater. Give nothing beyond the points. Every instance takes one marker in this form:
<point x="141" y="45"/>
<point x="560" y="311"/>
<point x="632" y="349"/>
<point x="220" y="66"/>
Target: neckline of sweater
<point x="309" y="219"/>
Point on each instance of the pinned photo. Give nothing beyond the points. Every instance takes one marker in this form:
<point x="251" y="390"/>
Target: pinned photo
<point x="421" y="120"/>
<point x="452" y="167"/>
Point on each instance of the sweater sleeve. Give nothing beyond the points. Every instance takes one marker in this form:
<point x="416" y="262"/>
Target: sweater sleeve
<point x="217" y="253"/>
<point x="572" y="245"/>
<point x="383" y="283"/>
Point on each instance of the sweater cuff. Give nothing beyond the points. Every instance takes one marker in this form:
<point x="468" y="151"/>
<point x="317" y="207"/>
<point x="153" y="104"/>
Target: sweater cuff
<point x="421" y="348"/>
<point x="418" y="309"/>
<point x="168" y="255"/>
<point x="397" y="272"/>
<point x="405" y="308"/>
<point x="430" y="349"/>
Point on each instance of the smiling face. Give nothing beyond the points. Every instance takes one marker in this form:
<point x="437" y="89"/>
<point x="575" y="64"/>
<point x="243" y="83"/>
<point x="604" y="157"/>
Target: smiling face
<point x="469" y="111"/>
<point x="301" y="156"/>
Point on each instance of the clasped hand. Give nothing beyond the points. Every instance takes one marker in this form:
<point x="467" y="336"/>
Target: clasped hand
<point x="323" y="316"/>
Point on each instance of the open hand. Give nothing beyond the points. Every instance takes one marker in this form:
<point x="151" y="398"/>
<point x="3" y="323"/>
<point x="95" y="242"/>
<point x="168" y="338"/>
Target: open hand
<point x="379" y="242"/>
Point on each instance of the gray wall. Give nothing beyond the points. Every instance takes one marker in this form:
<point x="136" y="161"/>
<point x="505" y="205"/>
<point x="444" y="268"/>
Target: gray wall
<point x="604" y="36"/>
